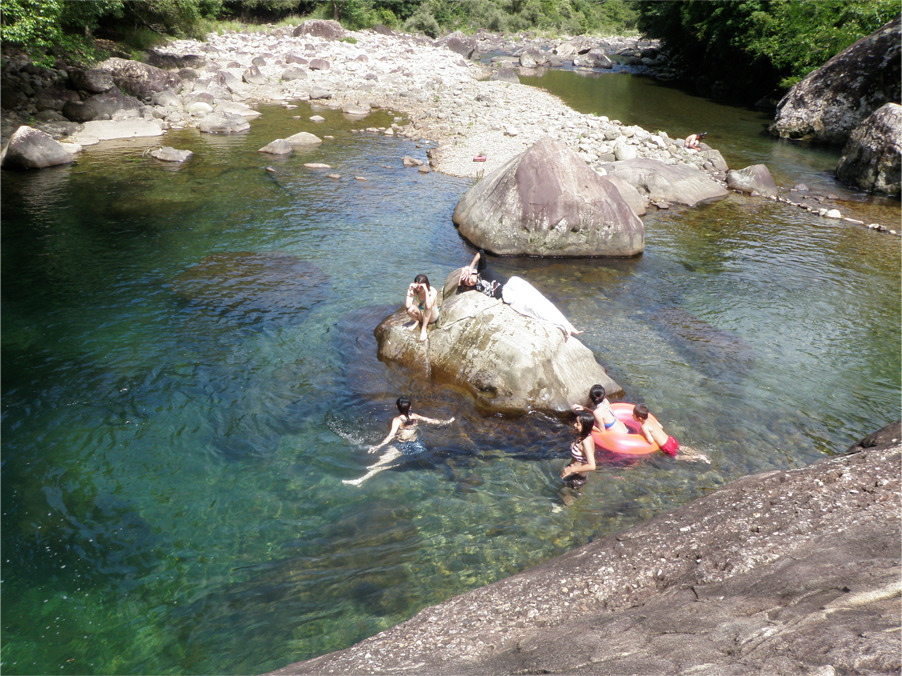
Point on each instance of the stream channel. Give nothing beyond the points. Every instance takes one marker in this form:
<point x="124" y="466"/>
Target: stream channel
<point x="189" y="371"/>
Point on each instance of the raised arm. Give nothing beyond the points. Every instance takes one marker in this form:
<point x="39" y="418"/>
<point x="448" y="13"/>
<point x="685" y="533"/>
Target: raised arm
<point x="434" y="421"/>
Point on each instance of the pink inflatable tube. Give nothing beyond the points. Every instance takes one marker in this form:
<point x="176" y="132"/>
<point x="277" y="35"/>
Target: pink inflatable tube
<point x="625" y="444"/>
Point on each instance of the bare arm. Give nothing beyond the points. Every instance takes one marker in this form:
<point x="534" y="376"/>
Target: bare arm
<point x="395" y="426"/>
<point x="411" y="297"/>
<point x="434" y="421"/>
<point x="588" y="448"/>
<point x="431" y="297"/>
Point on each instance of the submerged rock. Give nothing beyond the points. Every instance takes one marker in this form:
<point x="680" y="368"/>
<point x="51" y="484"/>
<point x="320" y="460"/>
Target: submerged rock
<point x="250" y="288"/>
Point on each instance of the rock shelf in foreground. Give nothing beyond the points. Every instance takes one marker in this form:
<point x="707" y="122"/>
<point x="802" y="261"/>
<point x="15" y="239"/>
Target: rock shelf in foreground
<point x="785" y="572"/>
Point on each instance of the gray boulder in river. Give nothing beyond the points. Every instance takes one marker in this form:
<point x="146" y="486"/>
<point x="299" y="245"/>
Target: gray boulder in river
<point x="548" y="202"/>
<point x="753" y="179"/>
<point x="675" y="183"/>
<point x="508" y="362"/>
<point x="833" y="100"/>
<point x="786" y="572"/>
<point x="871" y="159"/>
<point x="30" y="148"/>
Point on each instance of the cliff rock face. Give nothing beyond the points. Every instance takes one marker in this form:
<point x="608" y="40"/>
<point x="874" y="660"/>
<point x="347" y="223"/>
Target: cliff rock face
<point x="872" y="159"/>
<point x="832" y="101"/>
<point x="548" y="202"/>
<point x="786" y="572"/>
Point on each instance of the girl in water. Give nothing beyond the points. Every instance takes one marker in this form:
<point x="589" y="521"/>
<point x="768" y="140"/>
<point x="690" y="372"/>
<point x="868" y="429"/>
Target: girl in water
<point x="403" y="426"/>
<point x="516" y="292"/>
<point x="582" y="451"/>
<point x="421" y="304"/>
<point x="601" y="409"/>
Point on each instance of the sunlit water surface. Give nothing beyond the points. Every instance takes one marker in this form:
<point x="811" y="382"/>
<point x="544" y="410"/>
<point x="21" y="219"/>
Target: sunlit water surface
<point x="189" y="371"/>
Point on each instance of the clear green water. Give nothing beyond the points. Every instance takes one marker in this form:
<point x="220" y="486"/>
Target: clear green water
<point x="189" y="371"/>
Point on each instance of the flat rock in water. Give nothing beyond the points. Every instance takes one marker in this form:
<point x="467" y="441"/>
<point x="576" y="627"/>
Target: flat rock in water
<point x="170" y="154"/>
<point x="106" y="130"/>
<point x="317" y="165"/>
<point x="278" y="147"/>
<point x="304" y="138"/>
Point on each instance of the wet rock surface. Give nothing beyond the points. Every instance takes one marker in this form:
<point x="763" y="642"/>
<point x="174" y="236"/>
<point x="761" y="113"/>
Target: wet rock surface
<point x="785" y="572"/>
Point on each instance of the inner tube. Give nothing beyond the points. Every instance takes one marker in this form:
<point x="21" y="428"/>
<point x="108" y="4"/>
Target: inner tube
<point x="625" y="444"/>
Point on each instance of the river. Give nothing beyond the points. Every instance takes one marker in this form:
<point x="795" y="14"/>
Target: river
<point x="189" y="372"/>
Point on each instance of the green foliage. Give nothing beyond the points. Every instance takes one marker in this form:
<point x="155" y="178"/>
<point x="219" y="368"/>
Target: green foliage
<point x="423" y="21"/>
<point x="761" y="46"/>
<point x="44" y="27"/>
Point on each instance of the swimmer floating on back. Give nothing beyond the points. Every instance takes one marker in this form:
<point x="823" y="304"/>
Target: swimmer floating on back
<point x="404" y="426"/>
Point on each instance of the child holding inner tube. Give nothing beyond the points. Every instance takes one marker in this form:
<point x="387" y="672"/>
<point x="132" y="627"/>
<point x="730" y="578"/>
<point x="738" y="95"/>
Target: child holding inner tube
<point x="654" y="433"/>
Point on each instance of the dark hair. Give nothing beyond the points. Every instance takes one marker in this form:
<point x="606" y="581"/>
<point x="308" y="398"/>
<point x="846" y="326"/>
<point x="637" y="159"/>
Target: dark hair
<point x="596" y="394"/>
<point x="701" y="135"/>
<point x="640" y="411"/>
<point x="421" y="279"/>
<point x="403" y="405"/>
<point x="586" y="422"/>
<point x="481" y="263"/>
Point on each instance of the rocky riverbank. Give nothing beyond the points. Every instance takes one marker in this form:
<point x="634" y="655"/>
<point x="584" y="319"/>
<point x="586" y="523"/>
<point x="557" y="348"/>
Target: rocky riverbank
<point x="786" y="572"/>
<point x="442" y="91"/>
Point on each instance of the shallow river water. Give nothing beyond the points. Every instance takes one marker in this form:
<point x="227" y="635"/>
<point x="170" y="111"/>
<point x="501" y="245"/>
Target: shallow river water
<point x="189" y="371"/>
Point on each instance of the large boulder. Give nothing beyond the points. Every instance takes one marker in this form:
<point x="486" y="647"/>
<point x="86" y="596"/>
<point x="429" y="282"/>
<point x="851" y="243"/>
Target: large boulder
<point x="138" y="79"/>
<point x="871" y="158"/>
<point x="548" y="202"/>
<point x="836" y="98"/>
<point x="320" y="28"/>
<point x="30" y="148"/>
<point x="675" y="183"/>
<point x="459" y="43"/>
<point x="101" y="106"/>
<point x="508" y="362"/>
<point x="752" y="179"/>
<point x="90" y="80"/>
<point x="223" y="123"/>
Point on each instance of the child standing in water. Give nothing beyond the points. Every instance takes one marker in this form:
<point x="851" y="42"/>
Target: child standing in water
<point x="582" y="451"/>
<point x="405" y="427"/>
<point x="654" y="433"/>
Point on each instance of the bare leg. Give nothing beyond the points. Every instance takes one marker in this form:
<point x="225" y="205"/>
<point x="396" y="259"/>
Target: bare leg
<point x="380" y="465"/>
<point x="433" y="316"/>
<point x="415" y="314"/>
<point x="691" y="455"/>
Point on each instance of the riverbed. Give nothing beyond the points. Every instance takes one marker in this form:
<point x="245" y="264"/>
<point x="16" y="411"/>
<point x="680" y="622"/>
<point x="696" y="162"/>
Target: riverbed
<point x="190" y="372"/>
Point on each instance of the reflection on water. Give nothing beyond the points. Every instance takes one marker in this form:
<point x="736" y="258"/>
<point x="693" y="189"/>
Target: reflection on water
<point x="189" y="372"/>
